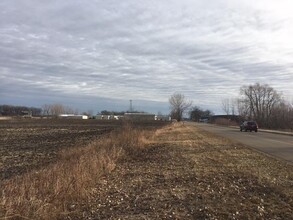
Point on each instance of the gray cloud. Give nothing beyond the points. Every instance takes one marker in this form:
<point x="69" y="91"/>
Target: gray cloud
<point x="142" y="50"/>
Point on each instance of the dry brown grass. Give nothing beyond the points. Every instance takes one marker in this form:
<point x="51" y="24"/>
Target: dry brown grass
<point x="233" y="181"/>
<point x="54" y="191"/>
<point x="187" y="173"/>
<point x="184" y="173"/>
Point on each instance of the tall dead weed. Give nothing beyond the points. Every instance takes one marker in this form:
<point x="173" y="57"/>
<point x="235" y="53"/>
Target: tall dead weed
<point x="52" y="192"/>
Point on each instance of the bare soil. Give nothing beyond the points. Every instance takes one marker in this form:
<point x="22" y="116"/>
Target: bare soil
<point x="186" y="173"/>
<point x="27" y="144"/>
<point x="182" y="173"/>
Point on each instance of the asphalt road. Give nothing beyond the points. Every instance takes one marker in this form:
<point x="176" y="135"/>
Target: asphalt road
<point x="277" y="145"/>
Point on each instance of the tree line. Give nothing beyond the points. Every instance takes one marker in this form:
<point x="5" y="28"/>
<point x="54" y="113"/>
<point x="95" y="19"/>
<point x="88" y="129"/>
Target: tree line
<point x="45" y="110"/>
<point x="180" y="105"/>
<point x="11" y="110"/>
<point x="57" y="109"/>
<point x="106" y="112"/>
<point x="261" y="103"/>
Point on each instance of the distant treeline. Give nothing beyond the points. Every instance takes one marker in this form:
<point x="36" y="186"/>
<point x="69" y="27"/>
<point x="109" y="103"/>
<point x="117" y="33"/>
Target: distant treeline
<point x="106" y="112"/>
<point x="11" y="110"/>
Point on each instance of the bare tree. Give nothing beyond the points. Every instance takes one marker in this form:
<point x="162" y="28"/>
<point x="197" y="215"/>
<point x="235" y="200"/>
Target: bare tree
<point x="178" y="105"/>
<point x="226" y="106"/>
<point x="258" y="102"/>
<point x="229" y="106"/>
<point x="234" y="103"/>
<point x="57" y="109"/>
<point x="46" y="109"/>
<point x="68" y="110"/>
<point x="289" y="119"/>
<point x="242" y="107"/>
<point x="282" y="116"/>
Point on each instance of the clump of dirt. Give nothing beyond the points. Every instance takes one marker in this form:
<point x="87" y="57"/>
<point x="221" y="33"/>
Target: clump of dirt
<point x="186" y="173"/>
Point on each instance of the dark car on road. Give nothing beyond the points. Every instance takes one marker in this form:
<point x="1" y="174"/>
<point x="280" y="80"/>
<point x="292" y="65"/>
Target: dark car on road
<point x="249" y="126"/>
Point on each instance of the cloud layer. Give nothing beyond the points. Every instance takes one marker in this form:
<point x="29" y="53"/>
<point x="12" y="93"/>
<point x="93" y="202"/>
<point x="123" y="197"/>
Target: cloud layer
<point x="143" y="50"/>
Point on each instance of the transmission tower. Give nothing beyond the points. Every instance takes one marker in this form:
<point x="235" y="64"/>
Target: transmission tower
<point x="130" y="106"/>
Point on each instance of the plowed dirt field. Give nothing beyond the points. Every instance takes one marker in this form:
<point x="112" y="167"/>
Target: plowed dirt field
<point x="27" y="144"/>
<point x="182" y="172"/>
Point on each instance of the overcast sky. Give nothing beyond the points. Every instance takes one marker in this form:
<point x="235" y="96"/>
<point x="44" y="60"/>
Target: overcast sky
<point x="97" y="54"/>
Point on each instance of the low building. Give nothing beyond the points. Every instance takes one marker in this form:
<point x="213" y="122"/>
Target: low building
<point x="107" y="117"/>
<point x="162" y="118"/>
<point x="139" y="116"/>
<point x="72" y="116"/>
